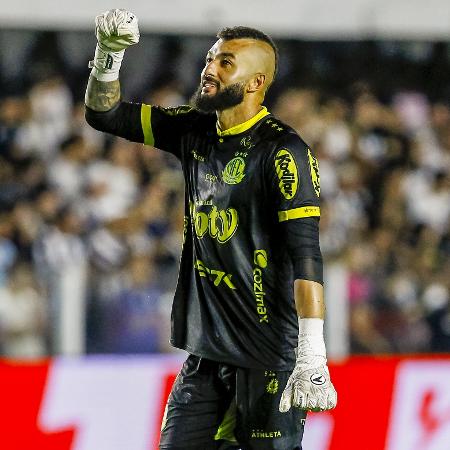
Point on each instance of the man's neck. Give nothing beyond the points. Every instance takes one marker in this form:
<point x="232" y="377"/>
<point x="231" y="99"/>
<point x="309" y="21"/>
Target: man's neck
<point x="235" y="116"/>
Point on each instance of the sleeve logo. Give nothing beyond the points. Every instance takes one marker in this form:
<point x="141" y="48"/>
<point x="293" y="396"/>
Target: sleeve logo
<point x="234" y="171"/>
<point x="287" y="173"/>
<point x="183" y="109"/>
<point x="314" y="168"/>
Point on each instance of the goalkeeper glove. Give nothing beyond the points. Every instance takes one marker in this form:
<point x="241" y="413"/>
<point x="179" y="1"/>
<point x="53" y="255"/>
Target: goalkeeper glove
<point x="309" y="387"/>
<point x="116" y="30"/>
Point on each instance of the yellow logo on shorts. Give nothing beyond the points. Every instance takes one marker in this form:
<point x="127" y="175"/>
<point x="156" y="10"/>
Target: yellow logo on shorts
<point x="272" y="386"/>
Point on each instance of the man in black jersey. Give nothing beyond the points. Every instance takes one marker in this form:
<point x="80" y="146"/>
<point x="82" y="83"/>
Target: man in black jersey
<point x="250" y="284"/>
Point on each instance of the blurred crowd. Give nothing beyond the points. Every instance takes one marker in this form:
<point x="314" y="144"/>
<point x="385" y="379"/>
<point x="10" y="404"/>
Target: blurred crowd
<point x="91" y="226"/>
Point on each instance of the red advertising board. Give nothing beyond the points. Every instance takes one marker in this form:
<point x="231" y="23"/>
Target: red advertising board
<point x="102" y="403"/>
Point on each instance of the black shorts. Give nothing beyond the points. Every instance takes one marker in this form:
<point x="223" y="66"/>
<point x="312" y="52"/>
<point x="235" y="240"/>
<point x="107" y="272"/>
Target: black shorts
<point x="216" y="406"/>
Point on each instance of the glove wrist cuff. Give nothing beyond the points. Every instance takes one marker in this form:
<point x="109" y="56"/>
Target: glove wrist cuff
<point x="310" y="338"/>
<point x="106" y="63"/>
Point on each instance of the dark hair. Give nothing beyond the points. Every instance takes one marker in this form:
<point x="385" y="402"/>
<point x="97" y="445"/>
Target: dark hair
<point x="249" y="33"/>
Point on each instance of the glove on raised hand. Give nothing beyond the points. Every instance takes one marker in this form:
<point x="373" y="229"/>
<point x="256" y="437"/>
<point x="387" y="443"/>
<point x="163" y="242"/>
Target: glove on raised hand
<point x="309" y="387"/>
<point x="116" y="30"/>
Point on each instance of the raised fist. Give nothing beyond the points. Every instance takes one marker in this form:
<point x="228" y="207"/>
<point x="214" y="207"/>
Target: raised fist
<point x="116" y="30"/>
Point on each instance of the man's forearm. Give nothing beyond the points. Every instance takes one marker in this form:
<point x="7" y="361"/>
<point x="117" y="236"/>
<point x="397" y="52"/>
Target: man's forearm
<point x="102" y="95"/>
<point x="309" y="300"/>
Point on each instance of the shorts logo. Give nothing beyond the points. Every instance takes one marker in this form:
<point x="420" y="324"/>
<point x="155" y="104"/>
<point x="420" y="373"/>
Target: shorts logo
<point x="260" y="258"/>
<point x="287" y="173"/>
<point x="314" y="168"/>
<point x="262" y="434"/>
<point x="318" y="379"/>
<point x="234" y="171"/>
<point x="272" y="386"/>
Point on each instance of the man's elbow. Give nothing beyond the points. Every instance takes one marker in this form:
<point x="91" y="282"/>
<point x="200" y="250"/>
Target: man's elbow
<point x="98" y="120"/>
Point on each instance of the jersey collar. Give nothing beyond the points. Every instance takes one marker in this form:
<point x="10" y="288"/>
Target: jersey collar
<point x="240" y="128"/>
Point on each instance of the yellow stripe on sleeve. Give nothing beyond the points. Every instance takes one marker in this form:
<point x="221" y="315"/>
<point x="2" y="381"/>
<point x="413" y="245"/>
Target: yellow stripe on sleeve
<point x="298" y="213"/>
<point x="146" y="123"/>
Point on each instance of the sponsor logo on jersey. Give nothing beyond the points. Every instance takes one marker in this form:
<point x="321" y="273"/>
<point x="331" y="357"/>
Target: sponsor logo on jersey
<point x="247" y="143"/>
<point x="211" y="178"/>
<point x="220" y="224"/>
<point x="215" y="275"/>
<point x="234" y="171"/>
<point x="260" y="260"/>
<point x="185" y="227"/>
<point x="197" y="156"/>
<point x="314" y="168"/>
<point x="287" y="173"/>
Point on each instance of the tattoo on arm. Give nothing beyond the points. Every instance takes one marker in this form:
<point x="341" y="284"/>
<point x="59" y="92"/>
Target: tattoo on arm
<point x="102" y="95"/>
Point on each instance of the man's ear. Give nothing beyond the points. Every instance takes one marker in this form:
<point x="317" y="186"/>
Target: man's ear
<point x="256" y="83"/>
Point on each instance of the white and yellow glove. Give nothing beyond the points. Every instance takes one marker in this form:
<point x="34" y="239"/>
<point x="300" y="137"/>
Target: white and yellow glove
<point x="116" y="30"/>
<point x="309" y="387"/>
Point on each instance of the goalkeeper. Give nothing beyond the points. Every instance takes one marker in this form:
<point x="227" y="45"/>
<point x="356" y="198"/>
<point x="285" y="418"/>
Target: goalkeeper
<point x="249" y="305"/>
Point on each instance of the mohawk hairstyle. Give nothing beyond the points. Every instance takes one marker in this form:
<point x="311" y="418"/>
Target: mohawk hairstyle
<point x="249" y="33"/>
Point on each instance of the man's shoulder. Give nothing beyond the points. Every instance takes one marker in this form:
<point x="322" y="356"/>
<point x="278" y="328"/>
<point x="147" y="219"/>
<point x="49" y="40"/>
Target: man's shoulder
<point x="279" y="133"/>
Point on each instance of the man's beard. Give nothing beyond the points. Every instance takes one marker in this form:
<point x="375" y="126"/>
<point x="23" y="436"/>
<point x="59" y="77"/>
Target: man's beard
<point x="224" y="98"/>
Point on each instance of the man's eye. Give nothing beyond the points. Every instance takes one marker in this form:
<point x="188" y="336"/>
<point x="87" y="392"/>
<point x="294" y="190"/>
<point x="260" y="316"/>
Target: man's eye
<point x="208" y="60"/>
<point x="226" y="62"/>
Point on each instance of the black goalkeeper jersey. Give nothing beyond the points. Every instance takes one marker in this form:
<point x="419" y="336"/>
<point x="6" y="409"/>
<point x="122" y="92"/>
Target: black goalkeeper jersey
<point x="234" y="301"/>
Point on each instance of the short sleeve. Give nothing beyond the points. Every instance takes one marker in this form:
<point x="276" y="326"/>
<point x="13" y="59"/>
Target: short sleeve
<point x="164" y="127"/>
<point x="293" y="173"/>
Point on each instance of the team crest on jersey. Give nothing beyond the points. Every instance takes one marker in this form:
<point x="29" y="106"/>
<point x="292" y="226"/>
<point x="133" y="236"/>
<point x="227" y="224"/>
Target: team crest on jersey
<point x="287" y="173"/>
<point x="234" y="171"/>
<point x="314" y="168"/>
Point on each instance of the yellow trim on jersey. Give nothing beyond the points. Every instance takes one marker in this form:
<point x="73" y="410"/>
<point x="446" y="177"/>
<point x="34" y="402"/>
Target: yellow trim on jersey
<point x="226" y="428"/>
<point x="237" y="129"/>
<point x="146" y="123"/>
<point x="298" y="213"/>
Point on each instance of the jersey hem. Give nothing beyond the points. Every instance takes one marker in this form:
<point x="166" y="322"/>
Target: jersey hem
<point x="207" y="355"/>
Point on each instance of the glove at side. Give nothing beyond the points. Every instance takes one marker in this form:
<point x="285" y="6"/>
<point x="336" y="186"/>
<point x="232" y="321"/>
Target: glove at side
<point x="309" y="387"/>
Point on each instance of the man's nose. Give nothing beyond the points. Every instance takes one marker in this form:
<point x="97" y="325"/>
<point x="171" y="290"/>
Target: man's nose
<point x="210" y="69"/>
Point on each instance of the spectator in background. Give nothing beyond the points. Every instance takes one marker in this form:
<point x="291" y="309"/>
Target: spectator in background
<point x="133" y="322"/>
<point x="8" y="250"/>
<point x="23" y="315"/>
<point x="67" y="171"/>
<point x="436" y="300"/>
<point x="60" y="258"/>
<point x="49" y="118"/>
<point x="112" y="183"/>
